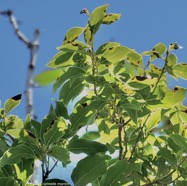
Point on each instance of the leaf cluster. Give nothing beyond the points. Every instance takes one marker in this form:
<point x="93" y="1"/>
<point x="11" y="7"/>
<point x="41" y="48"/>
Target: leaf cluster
<point x="141" y="122"/>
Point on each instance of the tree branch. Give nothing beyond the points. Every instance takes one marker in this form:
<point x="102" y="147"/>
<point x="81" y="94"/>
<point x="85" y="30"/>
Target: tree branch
<point x="33" y="47"/>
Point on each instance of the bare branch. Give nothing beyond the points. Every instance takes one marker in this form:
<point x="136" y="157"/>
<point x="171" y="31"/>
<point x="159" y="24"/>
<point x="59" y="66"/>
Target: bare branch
<point x="33" y="47"/>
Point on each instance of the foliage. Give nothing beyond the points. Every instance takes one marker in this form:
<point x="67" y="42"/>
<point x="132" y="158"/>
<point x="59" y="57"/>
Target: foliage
<point x="115" y="90"/>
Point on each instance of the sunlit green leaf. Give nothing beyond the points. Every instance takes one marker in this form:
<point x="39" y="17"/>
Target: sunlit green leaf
<point x="154" y="119"/>
<point x="158" y="51"/>
<point x="171" y="60"/>
<point x="15" y="154"/>
<point x="173" y="97"/>
<point x="61" y="59"/>
<point x="115" y="54"/>
<point x="24" y="170"/>
<point x="11" y="103"/>
<point x="47" y="77"/>
<point x="110" y="18"/>
<point x="96" y="17"/>
<point x="134" y="58"/>
<point x="88" y="36"/>
<point x="89" y="169"/>
<point x="180" y="70"/>
<point x="73" y="34"/>
<point x="155" y="69"/>
<point x="55" y="131"/>
<point x="106" y="46"/>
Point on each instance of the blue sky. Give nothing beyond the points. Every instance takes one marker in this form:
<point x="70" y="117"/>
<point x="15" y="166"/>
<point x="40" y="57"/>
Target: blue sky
<point x="143" y="24"/>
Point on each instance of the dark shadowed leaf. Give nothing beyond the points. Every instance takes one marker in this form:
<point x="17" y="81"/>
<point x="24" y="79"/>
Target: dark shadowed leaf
<point x="72" y="72"/>
<point x="117" y="173"/>
<point x="70" y="90"/>
<point x="59" y="153"/>
<point x="82" y="116"/>
<point x="89" y="169"/>
<point x="86" y="146"/>
<point x="180" y="141"/>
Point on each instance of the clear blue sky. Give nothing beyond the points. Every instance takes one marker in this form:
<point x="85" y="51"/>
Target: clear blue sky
<point x="143" y="24"/>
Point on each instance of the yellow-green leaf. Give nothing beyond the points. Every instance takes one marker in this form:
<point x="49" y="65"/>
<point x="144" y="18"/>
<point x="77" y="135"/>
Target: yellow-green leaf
<point x="110" y="18"/>
<point x="47" y="77"/>
<point x="180" y="70"/>
<point x="11" y="103"/>
<point x="73" y="34"/>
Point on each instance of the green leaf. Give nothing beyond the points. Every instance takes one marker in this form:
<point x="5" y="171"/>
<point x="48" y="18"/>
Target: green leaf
<point x="173" y="97"/>
<point x="71" y="90"/>
<point x="171" y="60"/>
<point x="118" y="172"/>
<point x="24" y="170"/>
<point x="86" y="146"/>
<point x="11" y="103"/>
<point x="59" y="153"/>
<point x="55" y="131"/>
<point x="134" y="58"/>
<point x="180" y="141"/>
<point x="154" y="69"/>
<point x="82" y="116"/>
<point x="106" y="46"/>
<point x="132" y="114"/>
<point x="17" y="133"/>
<point x="15" y="154"/>
<point x="62" y="59"/>
<point x="7" y="181"/>
<point x="92" y="135"/>
<point x="158" y="51"/>
<point x="115" y="54"/>
<point x="61" y="110"/>
<point x="132" y="103"/>
<point x="154" y="119"/>
<point x="46" y="124"/>
<point x="73" y="46"/>
<point x="47" y="77"/>
<point x="89" y="169"/>
<point x="169" y="157"/>
<point x="71" y="73"/>
<point x="88" y="36"/>
<point x="110" y="18"/>
<point x="96" y="18"/>
<point x="73" y="34"/>
<point x="180" y="70"/>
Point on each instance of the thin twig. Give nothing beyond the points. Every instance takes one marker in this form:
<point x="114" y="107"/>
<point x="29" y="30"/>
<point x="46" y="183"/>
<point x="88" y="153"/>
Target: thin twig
<point x="120" y="142"/>
<point x="137" y="139"/>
